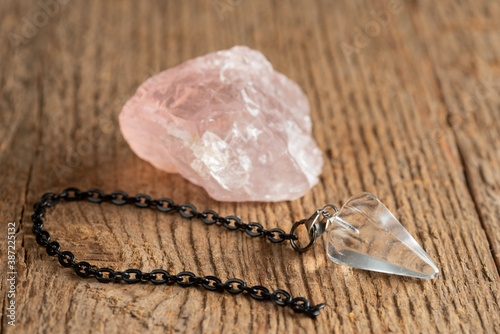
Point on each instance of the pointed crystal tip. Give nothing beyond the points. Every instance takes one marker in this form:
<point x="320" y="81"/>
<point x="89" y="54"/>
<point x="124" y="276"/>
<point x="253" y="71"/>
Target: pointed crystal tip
<point x="382" y="243"/>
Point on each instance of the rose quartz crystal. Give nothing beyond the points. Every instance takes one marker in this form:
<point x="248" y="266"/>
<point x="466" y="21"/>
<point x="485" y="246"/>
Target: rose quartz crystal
<point x="229" y="123"/>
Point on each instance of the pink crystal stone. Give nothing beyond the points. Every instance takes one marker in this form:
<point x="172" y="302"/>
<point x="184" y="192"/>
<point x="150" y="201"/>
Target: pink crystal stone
<point x="229" y="123"/>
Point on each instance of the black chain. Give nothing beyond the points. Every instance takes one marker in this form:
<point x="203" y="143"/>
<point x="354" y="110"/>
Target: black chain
<point x="159" y="276"/>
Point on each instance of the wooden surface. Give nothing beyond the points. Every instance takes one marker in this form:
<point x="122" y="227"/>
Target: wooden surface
<point x="408" y="110"/>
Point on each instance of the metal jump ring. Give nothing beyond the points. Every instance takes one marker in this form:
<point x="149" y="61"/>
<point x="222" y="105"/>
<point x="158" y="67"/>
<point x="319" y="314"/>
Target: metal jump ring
<point x="294" y="244"/>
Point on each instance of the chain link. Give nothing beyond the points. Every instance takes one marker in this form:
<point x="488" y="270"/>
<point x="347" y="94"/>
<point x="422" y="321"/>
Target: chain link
<point x="159" y="276"/>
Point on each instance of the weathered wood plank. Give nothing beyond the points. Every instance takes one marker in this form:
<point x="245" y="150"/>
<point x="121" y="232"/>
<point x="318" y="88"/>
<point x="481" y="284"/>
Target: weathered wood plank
<point x="385" y="116"/>
<point x="471" y="93"/>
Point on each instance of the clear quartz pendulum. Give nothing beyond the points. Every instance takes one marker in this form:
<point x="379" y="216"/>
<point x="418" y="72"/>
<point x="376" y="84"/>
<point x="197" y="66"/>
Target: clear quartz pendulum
<point x="364" y="234"/>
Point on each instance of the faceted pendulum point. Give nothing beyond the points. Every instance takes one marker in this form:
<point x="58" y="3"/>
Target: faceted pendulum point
<point x="366" y="235"/>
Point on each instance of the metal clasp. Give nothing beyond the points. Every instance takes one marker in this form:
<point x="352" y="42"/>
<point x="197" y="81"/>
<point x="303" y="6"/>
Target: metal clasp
<point x="316" y="225"/>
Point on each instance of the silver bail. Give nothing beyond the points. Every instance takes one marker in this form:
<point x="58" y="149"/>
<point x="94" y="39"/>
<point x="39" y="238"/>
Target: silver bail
<point x="316" y="225"/>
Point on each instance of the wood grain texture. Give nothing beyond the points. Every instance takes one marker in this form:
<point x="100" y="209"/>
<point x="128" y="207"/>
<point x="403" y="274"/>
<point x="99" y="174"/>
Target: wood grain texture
<point x="405" y="104"/>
